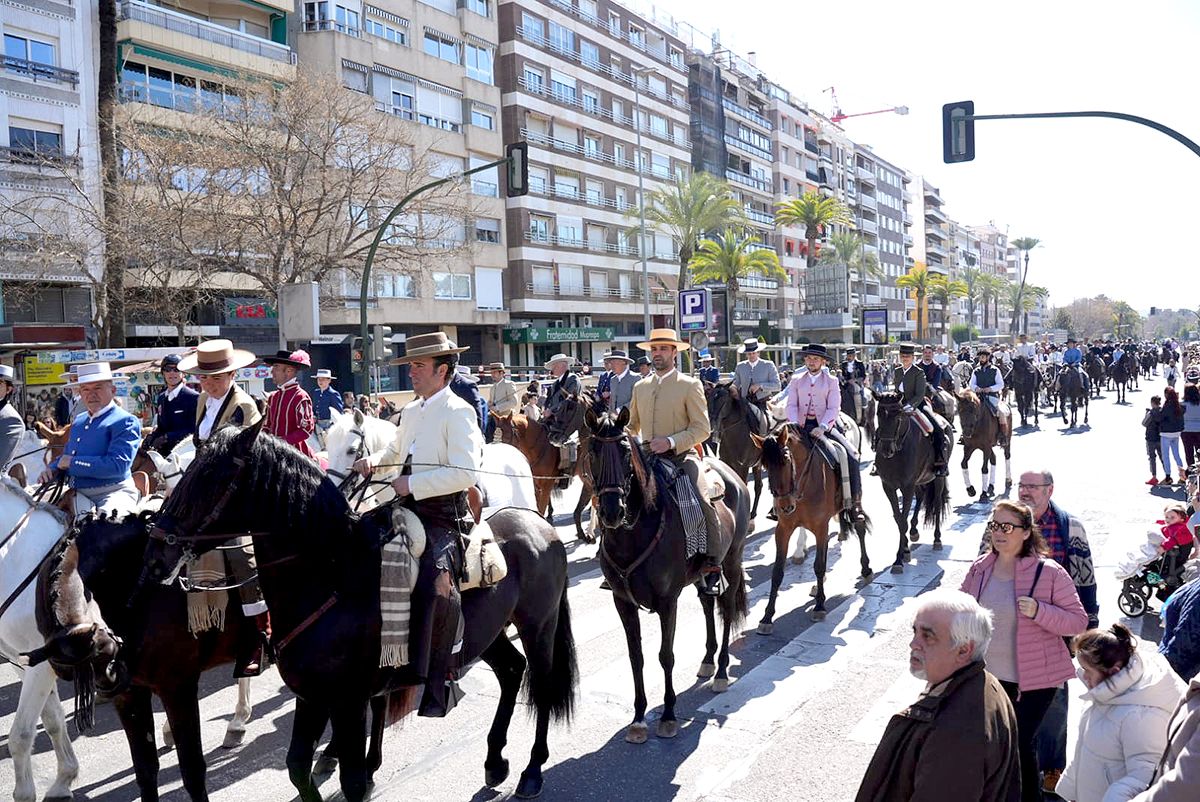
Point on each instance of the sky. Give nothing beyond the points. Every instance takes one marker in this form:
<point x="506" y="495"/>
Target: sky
<point x="1114" y="203"/>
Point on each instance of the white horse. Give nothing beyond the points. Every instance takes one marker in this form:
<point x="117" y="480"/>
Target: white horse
<point x="28" y="533"/>
<point x="505" y="479"/>
<point x="172" y="466"/>
<point x="32" y="454"/>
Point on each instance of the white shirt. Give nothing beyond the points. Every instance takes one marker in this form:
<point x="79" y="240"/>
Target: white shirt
<point x="942" y="358"/>
<point x="424" y="402"/>
<point x="101" y="411"/>
<point x="212" y="408"/>
<point x="172" y="393"/>
<point x="621" y="375"/>
<point x="660" y="376"/>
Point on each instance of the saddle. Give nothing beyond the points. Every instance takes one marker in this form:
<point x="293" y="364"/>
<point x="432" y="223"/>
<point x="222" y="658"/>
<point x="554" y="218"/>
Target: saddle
<point x="756" y="411"/>
<point x="837" y="457"/>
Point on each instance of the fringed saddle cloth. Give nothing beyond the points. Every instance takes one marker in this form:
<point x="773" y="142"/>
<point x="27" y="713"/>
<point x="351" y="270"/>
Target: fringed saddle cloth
<point x="400" y="562"/>
<point x="687" y="500"/>
<point x="206" y="608"/>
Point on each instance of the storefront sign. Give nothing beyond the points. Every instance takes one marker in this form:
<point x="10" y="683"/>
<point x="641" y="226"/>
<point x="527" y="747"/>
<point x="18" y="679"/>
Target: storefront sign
<point x="43" y="373"/>
<point x="250" y="312"/>
<point x="558" y="335"/>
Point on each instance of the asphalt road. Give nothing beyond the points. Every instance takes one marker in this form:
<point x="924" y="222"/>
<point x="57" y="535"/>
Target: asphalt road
<point x="801" y="719"/>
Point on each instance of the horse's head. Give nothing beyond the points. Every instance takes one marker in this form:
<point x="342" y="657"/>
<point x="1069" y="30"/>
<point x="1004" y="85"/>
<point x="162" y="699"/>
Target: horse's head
<point x="723" y="401"/>
<point x="345" y="441"/>
<point x="893" y="424"/>
<point x="777" y="457"/>
<point x="969" y="409"/>
<point x="568" y="417"/>
<point x="613" y="466"/>
<point x="511" y="426"/>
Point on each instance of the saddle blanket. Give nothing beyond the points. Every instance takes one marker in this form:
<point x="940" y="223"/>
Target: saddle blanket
<point x="399" y="565"/>
<point x="206" y="608"/>
<point x="686" y="500"/>
<point x="483" y="562"/>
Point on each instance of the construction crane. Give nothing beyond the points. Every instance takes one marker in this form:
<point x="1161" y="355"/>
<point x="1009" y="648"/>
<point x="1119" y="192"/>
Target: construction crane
<point x="838" y="116"/>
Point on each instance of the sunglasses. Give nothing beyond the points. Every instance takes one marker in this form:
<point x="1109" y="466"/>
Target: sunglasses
<point x="1003" y="526"/>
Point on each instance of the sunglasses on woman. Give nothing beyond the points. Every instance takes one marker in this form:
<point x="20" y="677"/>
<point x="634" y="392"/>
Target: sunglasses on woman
<point x="1003" y="526"/>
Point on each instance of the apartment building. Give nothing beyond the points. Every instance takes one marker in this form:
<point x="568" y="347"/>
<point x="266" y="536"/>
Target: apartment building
<point x="937" y="232"/>
<point x="600" y="94"/>
<point x="965" y="257"/>
<point x="995" y="259"/>
<point x="431" y="67"/>
<point x="49" y="258"/>
<point x="796" y="172"/>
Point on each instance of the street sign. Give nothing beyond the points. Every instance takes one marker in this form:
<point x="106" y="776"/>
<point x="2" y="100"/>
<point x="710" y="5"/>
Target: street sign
<point x="693" y="310"/>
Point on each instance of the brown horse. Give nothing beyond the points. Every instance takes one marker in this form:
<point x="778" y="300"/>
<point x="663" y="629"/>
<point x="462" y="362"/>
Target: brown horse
<point x="983" y="431"/>
<point x="532" y="439"/>
<point x="56" y="439"/>
<point x="806" y="495"/>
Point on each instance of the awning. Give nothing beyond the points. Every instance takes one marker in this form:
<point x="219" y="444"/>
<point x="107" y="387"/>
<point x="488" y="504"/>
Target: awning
<point x="375" y="11"/>
<point x="394" y="73"/>
<point x="354" y="65"/>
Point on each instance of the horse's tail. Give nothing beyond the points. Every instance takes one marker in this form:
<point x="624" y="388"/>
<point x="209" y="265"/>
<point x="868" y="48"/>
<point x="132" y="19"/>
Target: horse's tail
<point x="934" y="500"/>
<point x="735" y="603"/>
<point x="556" y="690"/>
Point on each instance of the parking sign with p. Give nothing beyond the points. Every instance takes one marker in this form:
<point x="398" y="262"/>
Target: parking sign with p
<point x="694" y="310"/>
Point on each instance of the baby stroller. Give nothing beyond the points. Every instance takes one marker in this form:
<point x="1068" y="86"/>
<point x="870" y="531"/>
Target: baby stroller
<point x="1141" y="574"/>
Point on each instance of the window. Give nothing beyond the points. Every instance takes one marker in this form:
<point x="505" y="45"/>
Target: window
<point x="637" y="36"/>
<point x="598" y="279"/>
<point x="591" y="146"/>
<point x="658" y="125"/>
<point x="26" y="141"/>
<point x="660" y="165"/>
<point x="591" y="101"/>
<point x="397" y="35"/>
<point x="141" y="84"/>
<point x="534" y="78"/>
<point x="489" y="286"/>
<point x="479" y="63"/>
<point x="597" y="239"/>
<point x="676" y="57"/>
<point x="595" y="193"/>
<point x="485" y="183"/>
<point x="619" y="154"/>
<point x="543" y="280"/>
<point x="618" y="111"/>
<point x="354" y="79"/>
<point x="395" y="96"/>
<point x="562" y="38"/>
<point x="444" y="49"/>
<point x="570" y="230"/>
<point x="437" y="108"/>
<point x="566" y="186"/>
<point x="532" y="26"/>
<point x="452" y="286"/>
<point x="589" y="53"/>
<point x="487" y="229"/>
<point x="539" y="177"/>
<point x="481" y="118"/>
<point x="480" y="7"/>
<point x="588" y="10"/>
<point x="562" y="86"/>
<point x="347" y="20"/>
<point x="539" y="227"/>
<point x="27" y="50"/>
<point x="570" y="279"/>
<point x="614" y="23"/>
<point x="393" y="285"/>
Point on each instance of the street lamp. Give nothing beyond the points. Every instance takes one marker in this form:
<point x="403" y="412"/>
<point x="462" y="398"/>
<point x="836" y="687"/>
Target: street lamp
<point x="639" y="164"/>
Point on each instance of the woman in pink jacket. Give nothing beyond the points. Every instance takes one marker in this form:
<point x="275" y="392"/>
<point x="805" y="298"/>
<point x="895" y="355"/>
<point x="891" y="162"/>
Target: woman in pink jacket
<point x="1034" y="606"/>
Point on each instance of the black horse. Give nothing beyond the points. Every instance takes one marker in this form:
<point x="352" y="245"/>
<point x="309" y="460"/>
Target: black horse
<point x="320" y="571"/>
<point x="643" y="554"/>
<point x="904" y="460"/>
<point x="1121" y="372"/>
<point x="731" y="436"/>
<point x="1097" y="372"/>
<point x="1072" y="391"/>
<point x="865" y="421"/>
<point x="1026" y="382"/>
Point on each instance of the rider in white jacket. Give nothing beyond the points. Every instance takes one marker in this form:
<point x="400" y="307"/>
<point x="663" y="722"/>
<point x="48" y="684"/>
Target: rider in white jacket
<point x="1123" y="730"/>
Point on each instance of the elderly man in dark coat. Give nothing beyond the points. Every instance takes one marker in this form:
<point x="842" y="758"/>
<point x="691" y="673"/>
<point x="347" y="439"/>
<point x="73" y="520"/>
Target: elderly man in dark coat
<point x="958" y="741"/>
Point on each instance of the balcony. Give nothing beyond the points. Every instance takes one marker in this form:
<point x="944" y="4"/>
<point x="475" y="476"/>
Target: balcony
<point x="865" y="175"/>
<point x="540" y="238"/>
<point x="869" y="226"/>
<point x="936" y="214"/>
<point x="205" y="31"/>
<point x="607" y="293"/>
<point x="53" y="159"/>
<point x="908" y="240"/>
<point x="761" y="184"/>
<point x="811" y="145"/>
<point x="868" y="201"/>
<point x="933" y="249"/>
<point x="575" y="100"/>
<point x="758" y="283"/>
<point x="40" y="72"/>
<point x="907" y="219"/>
<point x="591" y="199"/>
<point x="486" y="188"/>
<point x="766" y="218"/>
<point x="753" y="315"/>
<point x="746" y="147"/>
<point x="752" y="116"/>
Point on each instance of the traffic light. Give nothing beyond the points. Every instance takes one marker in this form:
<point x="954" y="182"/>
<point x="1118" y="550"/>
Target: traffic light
<point x="958" y="132"/>
<point x="356" y="355"/>
<point x="381" y="341"/>
<point x="517" y="154"/>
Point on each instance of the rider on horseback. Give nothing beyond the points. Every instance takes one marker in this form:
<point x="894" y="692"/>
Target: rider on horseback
<point x="1026" y="348"/>
<point x="813" y="402"/>
<point x="987" y="383"/>
<point x="854" y="374"/>
<point x="669" y="414"/>
<point x="757" y="380"/>
<point x="439" y="449"/>
<point x="909" y="380"/>
<point x="1072" y="358"/>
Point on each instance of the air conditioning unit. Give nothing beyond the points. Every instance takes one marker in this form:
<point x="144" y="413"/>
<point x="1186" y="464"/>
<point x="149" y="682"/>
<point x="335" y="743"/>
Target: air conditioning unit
<point x="584" y="321"/>
<point x="555" y="324"/>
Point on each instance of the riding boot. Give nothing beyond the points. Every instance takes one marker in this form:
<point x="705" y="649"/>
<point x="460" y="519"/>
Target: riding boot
<point x="254" y="647"/>
<point x="711" y="577"/>
<point x="938" y="441"/>
<point x="857" y="515"/>
<point x="712" y="565"/>
<point x="441" y="688"/>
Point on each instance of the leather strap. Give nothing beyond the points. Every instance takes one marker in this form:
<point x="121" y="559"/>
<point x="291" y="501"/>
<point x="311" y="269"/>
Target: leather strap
<point x="306" y="623"/>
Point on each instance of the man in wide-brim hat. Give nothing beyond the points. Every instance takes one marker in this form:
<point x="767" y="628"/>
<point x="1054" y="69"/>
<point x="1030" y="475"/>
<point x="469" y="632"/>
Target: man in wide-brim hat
<point x="11" y="424"/>
<point x="175" y="408"/>
<point x="325" y="400"/>
<point x="506" y="397"/>
<point x="439" y="450"/>
<point x="669" y="413"/>
<point x="814" y="400"/>
<point x="757" y="380"/>
<point x="709" y="372"/>
<point x="104" y="441"/>
<point x="565" y="383"/>
<point x="854" y="373"/>
<point x="909" y="380"/>
<point x="290" y="414"/>
<point x="615" y="388"/>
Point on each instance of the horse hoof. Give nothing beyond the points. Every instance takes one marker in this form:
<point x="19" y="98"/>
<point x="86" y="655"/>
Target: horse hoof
<point x="233" y="739"/>
<point x="897" y="568"/>
<point x="720" y="685"/>
<point x="843" y="536"/>
<point x="530" y="786"/>
<point x="494" y="776"/>
<point x="168" y="739"/>
<point x="765" y="628"/>
<point x="638" y="733"/>
<point x="706" y="670"/>
<point x="799" y="560"/>
<point x="325" y="765"/>
<point x="914" y="536"/>
<point x="937" y="545"/>
<point x="970" y="490"/>
<point x="667" y="729"/>
<point x="818" y="615"/>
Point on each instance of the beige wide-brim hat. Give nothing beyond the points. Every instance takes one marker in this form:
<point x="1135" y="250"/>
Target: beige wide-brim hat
<point x="215" y="356"/>
<point x="428" y="345"/>
<point x="664" y="337"/>
<point x="570" y="360"/>
<point x="496" y="366"/>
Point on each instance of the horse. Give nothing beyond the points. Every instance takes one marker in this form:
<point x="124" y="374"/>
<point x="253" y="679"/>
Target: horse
<point x="30" y="457"/>
<point x="95" y="571"/>
<point x="1121" y="372"/>
<point x="983" y="431"/>
<point x="904" y="461"/>
<point x="1071" y="389"/>
<point x="319" y="568"/>
<point x="532" y="438"/>
<point x="169" y="469"/>
<point x="1005" y="369"/>
<point x="643" y="555"/>
<point x="1097" y="373"/>
<point x="1026" y="381"/>
<point x="865" y="421"/>
<point x="568" y="420"/>
<point x="806" y="495"/>
<point x="731" y="435"/>
<point x="1149" y="362"/>
<point x="1047" y="373"/>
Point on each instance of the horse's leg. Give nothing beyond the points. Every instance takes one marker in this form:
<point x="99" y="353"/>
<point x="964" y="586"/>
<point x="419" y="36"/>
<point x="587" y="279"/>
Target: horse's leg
<point x="541" y="491"/>
<point x="668" y="727"/>
<point x="720" y="682"/>
<point x="585" y="498"/>
<point x="863" y="560"/>
<point x="991" y="470"/>
<point x="375" y="746"/>
<point x="914" y="531"/>
<point x="349" y="721"/>
<point x="137" y="719"/>
<point x="898" y="516"/>
<point x="307" y="725"/>
<point x="55" y="724"/>
<point x="819" y="565"/>
<point x="708" y="666"/>
<point x="638" y="732"/>
<point x="758" y="485"/>
<point x="36" y="687"/>
<point x="539" y="643"/>
<point x="235" y="733"/>
<point x="1007" y="444"/>
<point x="783" y="534"/>
<point x="508" y="665"/>
<point x="183" y="709"/>
<point x="968" y="450"/>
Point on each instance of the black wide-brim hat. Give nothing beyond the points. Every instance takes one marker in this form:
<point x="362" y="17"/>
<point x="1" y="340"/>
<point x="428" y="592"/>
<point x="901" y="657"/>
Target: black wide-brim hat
<point x="815" y="349"/>
<point x="292" y="358"/>
<point x="908" y="349"/>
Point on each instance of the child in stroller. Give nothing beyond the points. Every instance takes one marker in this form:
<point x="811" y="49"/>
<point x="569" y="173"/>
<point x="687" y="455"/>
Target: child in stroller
<point x="1157" y="566"/>
<point x="1178" y="543"/>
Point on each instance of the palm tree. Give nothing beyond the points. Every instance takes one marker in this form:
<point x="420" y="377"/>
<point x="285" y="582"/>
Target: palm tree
<point x="688" y="210"/>
<point x="971" y="277"/>
<point x="847" y="249"/>
<point x="814" y="213"/>
<point x="731" y="256"/>
<point x="917" y="281"/>
<point x="1022" y="302"/>
<point x="992" y="288"/>
<point x="1124" y="316"/>
<point x="1033" y="294"/>
<point x="1024" y="245"/>
<point x="943" y="289"/>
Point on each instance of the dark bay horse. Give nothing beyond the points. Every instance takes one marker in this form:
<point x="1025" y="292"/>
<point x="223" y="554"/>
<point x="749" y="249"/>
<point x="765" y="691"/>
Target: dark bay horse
<point x="158" y="654"/>
<point x="731" y="435"/>
<point x="532" y="438"/>
<point x="643" y="554"/>
<point x="1122" y="372"/>
<point x="319" y="568"/>
<point x="1071" y="390"/>
<point x="1097" y="373"/>
<point x="1026" y="382"/>
<point x="806" y="495"/>
<point x="904" y="460"/>
<point x="865" y="421"/>
<point x="982" y="431"/>
<point x="568" y="420"/>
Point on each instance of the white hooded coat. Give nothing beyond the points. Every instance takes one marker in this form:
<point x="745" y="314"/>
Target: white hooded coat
<point x="1123" y="731"/>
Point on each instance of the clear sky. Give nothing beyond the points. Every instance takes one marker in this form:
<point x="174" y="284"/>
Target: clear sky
<point x="1115" y="204"/>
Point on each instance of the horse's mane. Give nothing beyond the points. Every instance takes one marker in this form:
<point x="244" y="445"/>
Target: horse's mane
<point x="968" y="395"/>
<point x="889" y="398"/>
<point x="282" y="479"/>
<point x="774" y="454"/>
<point x="607" y="426"/>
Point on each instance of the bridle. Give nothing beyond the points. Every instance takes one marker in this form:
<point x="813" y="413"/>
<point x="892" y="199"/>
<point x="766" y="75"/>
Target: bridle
<point x="622" y="489"/>
<point x="894" y="443"/>
<point x="795" y="487"/>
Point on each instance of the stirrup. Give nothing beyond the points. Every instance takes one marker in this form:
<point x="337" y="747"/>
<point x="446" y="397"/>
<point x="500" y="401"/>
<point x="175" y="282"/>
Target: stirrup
<point x="710" y="580"/>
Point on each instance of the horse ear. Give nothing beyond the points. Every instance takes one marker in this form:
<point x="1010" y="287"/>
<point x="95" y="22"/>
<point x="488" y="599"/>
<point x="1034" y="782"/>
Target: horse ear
<point x="246" y="437"/>
<point x="590" y="418"/>
<point x="623" y="417"/>
<point x="358" y="417"/>
<point x="758" y="441"/>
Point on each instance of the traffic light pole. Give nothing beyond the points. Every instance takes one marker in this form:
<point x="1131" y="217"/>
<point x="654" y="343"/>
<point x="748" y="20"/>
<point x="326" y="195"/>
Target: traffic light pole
<point x="379" y="234"/>
<point x="1114" y="115"/>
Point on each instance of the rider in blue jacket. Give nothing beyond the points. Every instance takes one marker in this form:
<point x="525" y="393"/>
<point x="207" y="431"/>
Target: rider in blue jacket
<point x="1073" y="358"/>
